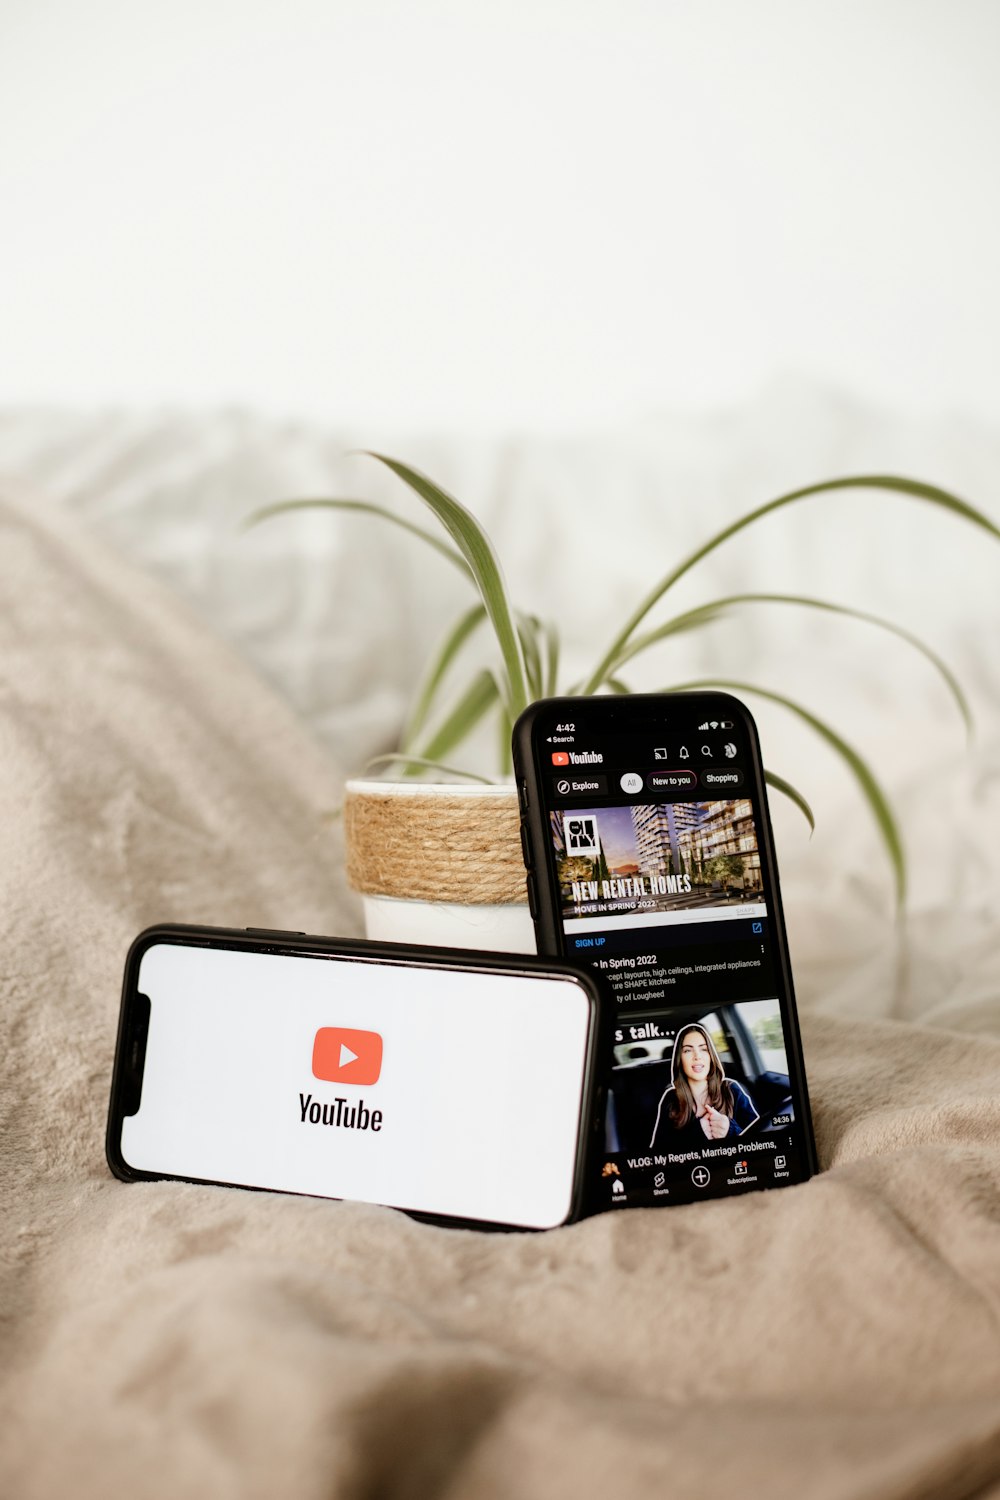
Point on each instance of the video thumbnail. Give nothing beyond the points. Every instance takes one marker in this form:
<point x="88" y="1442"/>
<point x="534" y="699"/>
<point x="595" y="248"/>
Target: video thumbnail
<point x="656" y="857"/>
<point x="681" y="1084"/>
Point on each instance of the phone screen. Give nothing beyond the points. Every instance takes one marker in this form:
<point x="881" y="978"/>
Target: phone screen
<point x="434" y="1088"/>
<point x="658" y="862"/>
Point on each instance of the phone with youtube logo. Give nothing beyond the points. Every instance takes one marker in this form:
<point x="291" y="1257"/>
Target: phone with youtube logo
<point x="461" y="1087"/>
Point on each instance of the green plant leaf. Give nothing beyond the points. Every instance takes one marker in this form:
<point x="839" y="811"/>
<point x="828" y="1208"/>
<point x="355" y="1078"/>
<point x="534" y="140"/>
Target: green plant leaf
<point x="366" y="508"/>
<point x="707" y="613"/>
<point x="913" y="488"/>
<point x="551" y="658"/>
<point x="505" y="754"/>
<point x="398" y="758"/>
<point x="477" y="549"/>
<point x="692" y="620"/>
<point x="872" y="791"/>
<point x="794" y="795"/>
<point x="453" y="642"/>
<point x="540" y="639"/>
<point x="480" y="696"/>
<point x="528" y="628"/>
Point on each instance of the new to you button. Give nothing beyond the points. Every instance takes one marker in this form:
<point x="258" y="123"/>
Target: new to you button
<point x="666" y="781"/>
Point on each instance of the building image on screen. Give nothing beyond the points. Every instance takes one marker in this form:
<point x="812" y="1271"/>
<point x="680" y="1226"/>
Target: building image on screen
<point x="656" y="857"/>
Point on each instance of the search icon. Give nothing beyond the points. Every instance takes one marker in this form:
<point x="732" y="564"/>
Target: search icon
<point x="706" y="750"/>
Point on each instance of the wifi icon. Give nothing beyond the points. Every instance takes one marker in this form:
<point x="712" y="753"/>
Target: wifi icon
<point x="713" y="724"/>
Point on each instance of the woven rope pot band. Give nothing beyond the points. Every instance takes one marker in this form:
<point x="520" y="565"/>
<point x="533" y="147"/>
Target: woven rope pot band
<point x="421" y="842"/>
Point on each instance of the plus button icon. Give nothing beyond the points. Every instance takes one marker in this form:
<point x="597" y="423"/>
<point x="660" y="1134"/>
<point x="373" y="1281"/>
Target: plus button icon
<point x="701" y="1176"/>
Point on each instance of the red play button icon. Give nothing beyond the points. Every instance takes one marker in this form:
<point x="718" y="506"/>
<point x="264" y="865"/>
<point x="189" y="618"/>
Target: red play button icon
<point x="341" y="1055"/>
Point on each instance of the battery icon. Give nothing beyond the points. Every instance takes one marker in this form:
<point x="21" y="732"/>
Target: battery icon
<point x="726" y="724"/>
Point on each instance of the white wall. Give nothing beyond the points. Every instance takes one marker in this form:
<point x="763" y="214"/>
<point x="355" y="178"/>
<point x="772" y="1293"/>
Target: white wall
<point x="546" y="213"/>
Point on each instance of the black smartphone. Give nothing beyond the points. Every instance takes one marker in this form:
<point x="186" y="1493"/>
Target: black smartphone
<point x="462" y="1087"/>
<point x="650" y="857"/>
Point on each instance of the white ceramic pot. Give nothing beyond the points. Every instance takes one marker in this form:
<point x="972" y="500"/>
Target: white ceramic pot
<point x="438" y="864"/>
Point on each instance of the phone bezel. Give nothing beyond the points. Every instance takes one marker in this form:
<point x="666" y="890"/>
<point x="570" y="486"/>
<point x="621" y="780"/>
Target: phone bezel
<point x="529" y="771"/>
<point x="405" y="955"/>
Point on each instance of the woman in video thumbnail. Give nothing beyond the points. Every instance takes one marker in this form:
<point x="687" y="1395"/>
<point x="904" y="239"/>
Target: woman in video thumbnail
<point x="702" y="1105"/>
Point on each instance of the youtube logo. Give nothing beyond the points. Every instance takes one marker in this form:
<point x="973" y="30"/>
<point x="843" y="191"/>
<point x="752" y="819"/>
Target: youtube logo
<point x="342" y="1055"/>
<point x="560" y="758"/>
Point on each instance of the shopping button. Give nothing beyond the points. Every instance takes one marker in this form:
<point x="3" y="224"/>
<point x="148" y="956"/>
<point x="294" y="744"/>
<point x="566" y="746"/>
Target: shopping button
<point x="732" y="776"/>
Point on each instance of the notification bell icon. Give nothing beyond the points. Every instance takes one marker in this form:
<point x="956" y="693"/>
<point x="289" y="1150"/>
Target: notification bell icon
<point x="683" y="753"/>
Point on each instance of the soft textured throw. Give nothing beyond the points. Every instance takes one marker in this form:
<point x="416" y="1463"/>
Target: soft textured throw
<point x="836" y="1339"/>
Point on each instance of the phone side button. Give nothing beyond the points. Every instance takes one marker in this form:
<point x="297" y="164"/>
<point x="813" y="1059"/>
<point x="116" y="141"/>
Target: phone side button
<point x="532" y="897"/>
<point x="274" y="932"/>
<point x="522" y="794"/>
<point x="526" y="848"/>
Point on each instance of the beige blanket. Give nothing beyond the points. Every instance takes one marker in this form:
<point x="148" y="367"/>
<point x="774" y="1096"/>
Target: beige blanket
<point x="839" y="1338"/>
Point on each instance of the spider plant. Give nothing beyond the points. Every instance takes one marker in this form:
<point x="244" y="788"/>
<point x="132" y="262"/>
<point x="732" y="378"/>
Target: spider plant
<point x="526" y="665"/>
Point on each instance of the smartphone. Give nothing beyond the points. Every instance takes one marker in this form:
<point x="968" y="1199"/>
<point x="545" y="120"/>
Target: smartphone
<point x="462" y="1087"/>
<point x="650" y="857"/>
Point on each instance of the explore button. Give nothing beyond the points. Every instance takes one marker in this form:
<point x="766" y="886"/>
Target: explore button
<point x="579" y="785"/>
<point x="729" y="777"/>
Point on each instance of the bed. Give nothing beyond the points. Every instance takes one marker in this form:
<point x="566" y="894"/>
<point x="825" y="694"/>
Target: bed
<point x="836" y="1339"/>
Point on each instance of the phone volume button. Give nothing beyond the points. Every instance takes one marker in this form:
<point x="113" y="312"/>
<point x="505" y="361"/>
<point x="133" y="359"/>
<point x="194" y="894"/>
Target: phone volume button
<point x="522" y="794"/>
<point x="532" y="897"/>
<point x="526" y="847"/>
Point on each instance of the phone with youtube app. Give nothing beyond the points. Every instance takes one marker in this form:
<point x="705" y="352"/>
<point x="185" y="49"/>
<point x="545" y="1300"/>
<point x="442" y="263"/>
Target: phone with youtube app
<point x="462" y="1087"/>
<point x="650" y="857"/>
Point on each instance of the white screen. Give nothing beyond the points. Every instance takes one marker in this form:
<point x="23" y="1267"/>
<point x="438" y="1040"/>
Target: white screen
<point x="479" y="1087"/>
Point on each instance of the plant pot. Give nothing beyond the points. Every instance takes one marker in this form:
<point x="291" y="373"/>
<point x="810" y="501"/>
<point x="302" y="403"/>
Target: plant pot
<point x="438" y="864"/>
